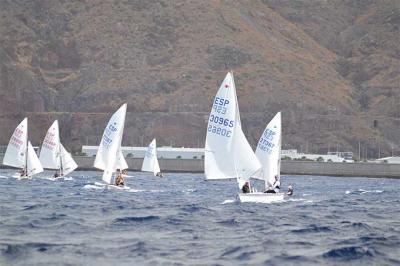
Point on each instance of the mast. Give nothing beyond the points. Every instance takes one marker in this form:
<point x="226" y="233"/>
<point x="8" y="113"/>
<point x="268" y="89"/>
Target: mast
<point x="26" y="150"/>
<point x="59" y="154"/>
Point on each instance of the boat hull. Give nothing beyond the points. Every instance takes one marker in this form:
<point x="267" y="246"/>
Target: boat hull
<point x="260" y="197"/>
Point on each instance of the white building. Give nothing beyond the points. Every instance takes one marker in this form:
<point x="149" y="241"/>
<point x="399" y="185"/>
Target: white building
<point x="395" y="160"/>
<point x="294" y="155"/>
<point x="168" y="152"/>
<point x="162" y="152"/>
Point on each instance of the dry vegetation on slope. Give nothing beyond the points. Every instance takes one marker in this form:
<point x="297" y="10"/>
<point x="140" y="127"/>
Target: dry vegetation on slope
<point x="79" y="60"/>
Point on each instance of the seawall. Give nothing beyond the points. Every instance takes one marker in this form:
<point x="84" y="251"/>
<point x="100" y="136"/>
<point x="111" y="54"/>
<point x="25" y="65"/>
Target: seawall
<point x="287" y="167"/>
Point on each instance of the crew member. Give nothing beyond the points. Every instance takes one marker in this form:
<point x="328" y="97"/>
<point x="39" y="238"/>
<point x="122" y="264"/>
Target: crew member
<point x="246" y="188"/>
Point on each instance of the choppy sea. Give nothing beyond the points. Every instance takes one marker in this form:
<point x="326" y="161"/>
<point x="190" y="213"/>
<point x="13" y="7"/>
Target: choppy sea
<point x="184" y="220"/>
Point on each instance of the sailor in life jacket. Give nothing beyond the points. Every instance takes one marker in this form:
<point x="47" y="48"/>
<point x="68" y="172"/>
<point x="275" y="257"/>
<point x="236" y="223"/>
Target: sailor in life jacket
<point x="119" y="181"/>
<point x="289" y="191"/>
<point x="275" y="186"/>
<point x="246" y="188"/>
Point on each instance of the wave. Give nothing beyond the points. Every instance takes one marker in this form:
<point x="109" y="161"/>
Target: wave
<point x="88" y="186"/>
<point x="312" y="229"/>
<point x="349" y="253"/>
<point x="363" y="191"/>
<point x="228" y="201"/>
<point x="135" y="219"/>
<point x="229" y="222"/>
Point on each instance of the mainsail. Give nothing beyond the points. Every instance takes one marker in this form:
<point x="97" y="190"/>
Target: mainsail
<point x="227" y="151"/>
<point x="109" y="151"/>
<point x="17" y="147"/>
<point x="150" y="161"/>
<point x="50" y="151"/>
<point x="269" y="150"/>
<point x="53" y="155"/>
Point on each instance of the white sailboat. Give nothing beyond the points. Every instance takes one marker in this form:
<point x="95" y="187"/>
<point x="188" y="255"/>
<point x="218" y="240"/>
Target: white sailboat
<point x="53" y="155"/>
<point x="20" y="153"/>
<point x="109" y="157"/>
<point x="227" y="151"/>
<point x="269" y="153"/>
<point x="150" y="161"/>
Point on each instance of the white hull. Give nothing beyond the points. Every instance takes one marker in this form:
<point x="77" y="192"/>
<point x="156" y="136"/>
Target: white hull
<point x="19" y="177"/>
<point x="260" y="197"/>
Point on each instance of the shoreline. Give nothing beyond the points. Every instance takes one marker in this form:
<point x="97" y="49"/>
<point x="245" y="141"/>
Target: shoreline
<point x="373" y="170"/>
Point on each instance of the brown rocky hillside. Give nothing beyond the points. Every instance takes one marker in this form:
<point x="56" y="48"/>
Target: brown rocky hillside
<point x="77" y="61"/>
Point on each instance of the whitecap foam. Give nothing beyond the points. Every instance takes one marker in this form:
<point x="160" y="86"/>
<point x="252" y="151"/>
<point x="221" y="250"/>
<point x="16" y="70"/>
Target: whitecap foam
<point x="228" y="201"/>
<point x="92" y="187"/>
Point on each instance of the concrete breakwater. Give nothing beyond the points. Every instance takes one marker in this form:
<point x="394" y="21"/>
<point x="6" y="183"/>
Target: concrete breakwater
<point x="288" y="167"/>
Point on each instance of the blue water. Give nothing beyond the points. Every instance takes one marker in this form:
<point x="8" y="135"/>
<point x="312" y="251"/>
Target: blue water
<point x="183" y="219"/>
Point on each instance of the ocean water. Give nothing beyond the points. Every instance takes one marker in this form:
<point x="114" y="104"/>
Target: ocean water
<point x="184" y="220"/>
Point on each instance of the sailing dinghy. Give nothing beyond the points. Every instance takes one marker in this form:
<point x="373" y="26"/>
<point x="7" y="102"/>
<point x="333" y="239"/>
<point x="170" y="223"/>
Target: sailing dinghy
<point x="20" y="153"/>
<point x="109" y="157"/>
<point x="268" y="153"/>
<point x="227" y="151"/>
<point x="150" y="161"/>
<point x="53" y="155"/>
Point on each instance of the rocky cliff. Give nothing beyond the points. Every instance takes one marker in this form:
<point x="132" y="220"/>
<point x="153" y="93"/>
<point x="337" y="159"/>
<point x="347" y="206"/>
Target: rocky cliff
<point x="331" y="67"/>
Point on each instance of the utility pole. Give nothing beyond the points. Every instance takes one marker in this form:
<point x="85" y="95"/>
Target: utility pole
<point x="359" y="151"/>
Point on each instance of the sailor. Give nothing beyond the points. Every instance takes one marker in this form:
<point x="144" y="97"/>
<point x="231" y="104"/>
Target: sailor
<point x="277" y="184"/>
<point x="159" y="174"/>
<point x="270" y="190"/>
<point x="119" y="181"/>
<point x="290" y="191"/>
<point x="23" y="173"/>
<point x="246" y="188"/>
<point x="56" y="174"/>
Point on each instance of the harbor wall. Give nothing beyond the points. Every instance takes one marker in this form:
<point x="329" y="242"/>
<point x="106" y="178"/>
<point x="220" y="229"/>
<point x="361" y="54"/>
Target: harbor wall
<point x="287" y="167"/>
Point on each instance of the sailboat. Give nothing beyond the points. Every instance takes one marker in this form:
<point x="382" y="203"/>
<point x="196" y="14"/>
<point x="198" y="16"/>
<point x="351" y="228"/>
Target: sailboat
<point x="268" y="153"/>
<point x="228" y="154"/>
<point x="150" y="161"/>
<point x="109" y="157"/>
<point x="53" y="155"/>
<point x="20" y="153"/>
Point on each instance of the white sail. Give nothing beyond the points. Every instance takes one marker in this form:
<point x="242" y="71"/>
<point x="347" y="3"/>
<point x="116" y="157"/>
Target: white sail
<point x="150" y="161"/>
<point x="50" y="151"/>
<point x="33" y="164"/>
<point x="246" y="162"/>
<point x="269" y="150"/>
<point x="121" y="163"/>
<point x="67" y="162"/>
<point x="16" y="150"/>
<point x="227" y="152"/>
<point x="109" y="148"/>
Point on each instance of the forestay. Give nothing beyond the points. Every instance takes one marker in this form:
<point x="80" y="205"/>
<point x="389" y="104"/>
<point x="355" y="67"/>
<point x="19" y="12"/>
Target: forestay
<point x="109" y="148"/>
<point x="269" y="150"/>
<point x="150" y="161"/>
<point x="227" y="152"/>
<point x="17" y="147"/>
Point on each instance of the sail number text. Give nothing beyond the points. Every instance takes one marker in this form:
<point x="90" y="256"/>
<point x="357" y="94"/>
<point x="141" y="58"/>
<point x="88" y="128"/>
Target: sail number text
<point x="217" y="122"/>
<point x="219" y="105"/>
<point x="266" y="140"/>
